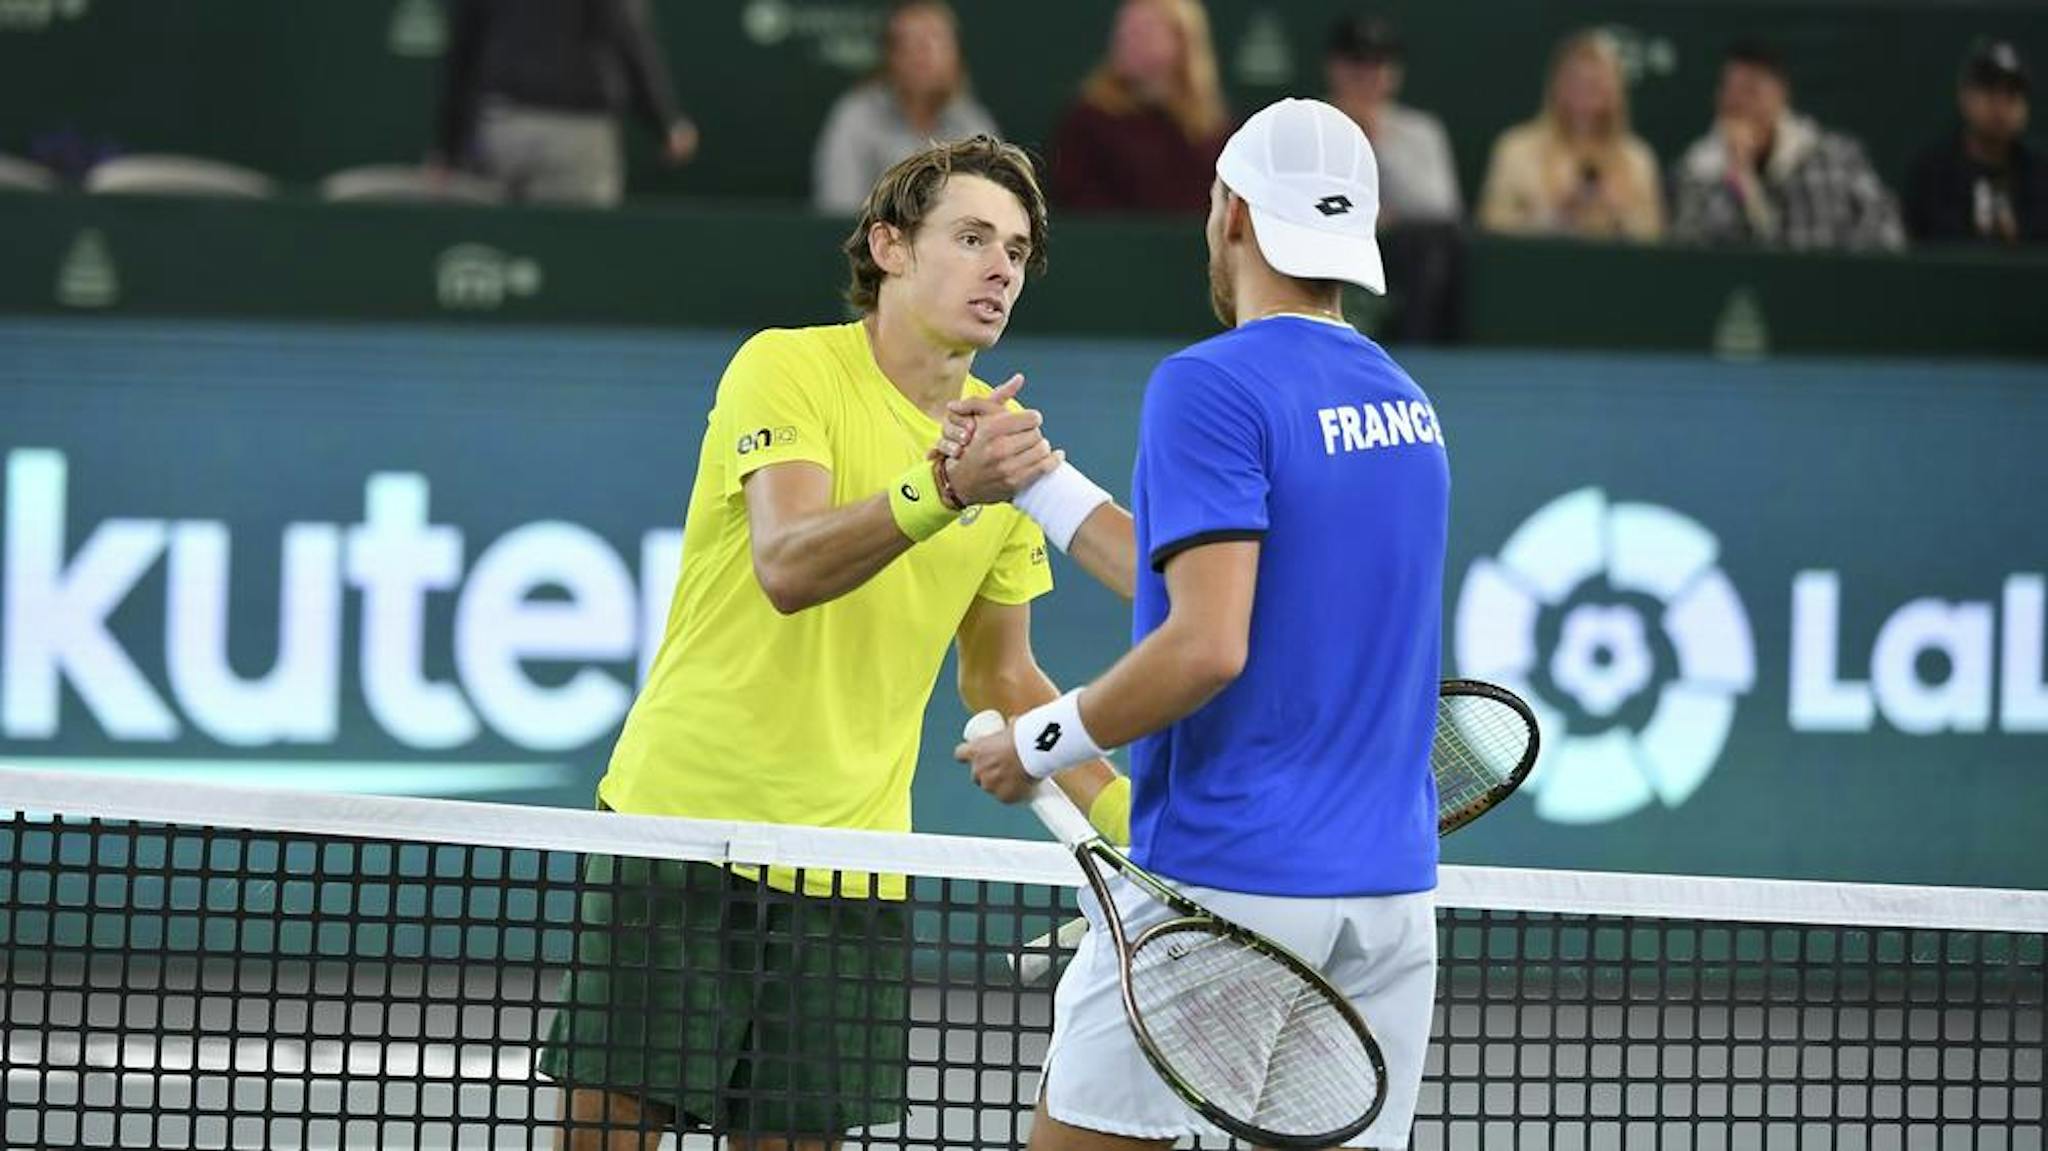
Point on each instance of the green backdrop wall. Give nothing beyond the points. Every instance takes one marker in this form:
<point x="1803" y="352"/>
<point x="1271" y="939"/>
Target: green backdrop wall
<point x="696" y="267"/>
<point x="1783" y="619"/>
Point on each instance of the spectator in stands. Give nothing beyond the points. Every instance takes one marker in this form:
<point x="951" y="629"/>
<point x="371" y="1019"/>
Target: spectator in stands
<point x="919" y="98"/>
<point x="1767" y="175"/>
<point x="1421" y="237"/>
<point x="1576" y="169"/>
<point x="534" y="90"/>
<point x="1364" y="66"/>
<point x="1984" y="182"/>
<point x="1150" y="120"/>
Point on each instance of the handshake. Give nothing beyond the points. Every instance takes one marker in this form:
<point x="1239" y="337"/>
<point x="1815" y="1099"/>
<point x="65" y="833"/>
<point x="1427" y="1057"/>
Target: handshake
<point x="988" y="453"/>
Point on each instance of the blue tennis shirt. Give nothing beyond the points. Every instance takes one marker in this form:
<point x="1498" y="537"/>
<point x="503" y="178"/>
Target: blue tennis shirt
<point x="1309" y="775"/>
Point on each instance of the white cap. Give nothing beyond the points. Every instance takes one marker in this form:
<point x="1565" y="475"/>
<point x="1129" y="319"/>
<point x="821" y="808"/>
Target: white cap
<point x="1309" y="175"/>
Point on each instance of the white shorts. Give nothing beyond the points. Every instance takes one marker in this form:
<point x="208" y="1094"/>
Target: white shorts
<point x="1380" y="951"/>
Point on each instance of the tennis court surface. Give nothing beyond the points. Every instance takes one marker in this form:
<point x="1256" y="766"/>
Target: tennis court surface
<point x="188" y="966"/>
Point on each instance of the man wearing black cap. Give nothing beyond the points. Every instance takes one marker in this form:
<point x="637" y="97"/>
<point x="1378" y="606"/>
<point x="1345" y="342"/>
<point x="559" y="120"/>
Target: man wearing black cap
<point x="1983" y="183"/>
<point x="1420" y="207"/>
<point x="1364" y="67"/>
<point x="1766" y="175"/>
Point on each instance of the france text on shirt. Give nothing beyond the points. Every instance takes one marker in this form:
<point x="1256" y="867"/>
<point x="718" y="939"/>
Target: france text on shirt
<point x="1391" y="423"/>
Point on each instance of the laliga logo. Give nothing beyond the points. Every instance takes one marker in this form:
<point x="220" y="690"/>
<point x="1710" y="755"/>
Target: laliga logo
<point x="1648" y="647"/>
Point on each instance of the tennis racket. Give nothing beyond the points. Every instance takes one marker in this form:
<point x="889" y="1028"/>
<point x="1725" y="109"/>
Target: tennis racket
<point x="1485" y="746"/>
<point x="1250" y="1036"/>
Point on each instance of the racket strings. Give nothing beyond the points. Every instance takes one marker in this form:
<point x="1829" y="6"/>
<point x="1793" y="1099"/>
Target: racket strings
<point x="1479" y="743"/>
<point x="1257" y="1040"/>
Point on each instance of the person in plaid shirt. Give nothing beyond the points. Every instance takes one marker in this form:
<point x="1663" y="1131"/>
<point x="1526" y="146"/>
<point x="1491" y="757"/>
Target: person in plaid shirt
<point x="1768" y="176"/>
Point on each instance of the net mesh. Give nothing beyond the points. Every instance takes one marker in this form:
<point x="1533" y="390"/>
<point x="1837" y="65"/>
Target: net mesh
<point x="205" y="967"/>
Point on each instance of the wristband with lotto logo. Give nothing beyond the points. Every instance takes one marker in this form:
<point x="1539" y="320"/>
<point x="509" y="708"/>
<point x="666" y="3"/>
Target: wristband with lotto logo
<point x="1051" y="738"/>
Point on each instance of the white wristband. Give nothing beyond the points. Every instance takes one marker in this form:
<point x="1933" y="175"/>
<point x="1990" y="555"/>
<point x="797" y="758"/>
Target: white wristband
<point x="1060" y="500"/>
<point x="1051" y="738"/>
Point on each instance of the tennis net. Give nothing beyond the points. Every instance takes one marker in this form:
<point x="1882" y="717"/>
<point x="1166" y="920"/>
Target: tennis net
<point x="203" y="967"/>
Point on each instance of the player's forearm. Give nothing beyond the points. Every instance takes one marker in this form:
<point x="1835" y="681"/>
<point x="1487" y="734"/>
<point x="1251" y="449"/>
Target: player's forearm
<point x="1194" y="654"/>
<point x="821" y="557"/>
<point x="1106" y="547"/>
<point x="1081" y="519"/>
<point x="1164" y="679"/>
<point x="1017" y="690"/>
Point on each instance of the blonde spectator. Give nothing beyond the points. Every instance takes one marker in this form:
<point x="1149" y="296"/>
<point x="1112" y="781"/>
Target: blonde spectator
<point x="1145" y="133"/>
<point x="919" y="98"/>
<point x="1576" y="169"/>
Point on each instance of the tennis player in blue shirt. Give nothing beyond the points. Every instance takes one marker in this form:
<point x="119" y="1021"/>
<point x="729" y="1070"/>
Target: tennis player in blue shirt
<point x="1286" y="551"/>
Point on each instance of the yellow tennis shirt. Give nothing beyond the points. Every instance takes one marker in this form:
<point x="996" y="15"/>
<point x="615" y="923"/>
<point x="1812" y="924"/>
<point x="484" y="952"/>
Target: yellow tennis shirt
<point x="811" y="718"/>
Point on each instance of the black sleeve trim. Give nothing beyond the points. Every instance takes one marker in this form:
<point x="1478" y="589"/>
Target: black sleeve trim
<point x="1165" y="552"/>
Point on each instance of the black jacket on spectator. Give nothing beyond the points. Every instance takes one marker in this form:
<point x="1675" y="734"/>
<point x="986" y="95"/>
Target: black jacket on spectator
<point x="562" y="55"/>
<point x="1942" y="194"/>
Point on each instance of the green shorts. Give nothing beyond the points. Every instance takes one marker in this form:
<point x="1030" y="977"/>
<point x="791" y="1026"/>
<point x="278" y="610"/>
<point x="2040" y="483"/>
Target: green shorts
<point x="743" y="1008"/>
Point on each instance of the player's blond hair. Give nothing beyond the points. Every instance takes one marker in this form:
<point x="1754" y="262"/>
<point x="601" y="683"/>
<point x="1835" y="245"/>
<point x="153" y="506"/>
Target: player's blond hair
<point x="906" y="194"/>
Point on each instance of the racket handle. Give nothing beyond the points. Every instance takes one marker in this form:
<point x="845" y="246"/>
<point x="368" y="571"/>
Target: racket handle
<point x="1060" y="816"/>
<point x="1048" y="802"/>
<point x="983" y="724"/>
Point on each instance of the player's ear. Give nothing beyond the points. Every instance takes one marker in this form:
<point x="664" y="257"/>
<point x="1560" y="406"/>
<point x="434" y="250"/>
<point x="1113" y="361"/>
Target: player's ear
<point x="889" y="248"/>
<point x="1237" y="216"/>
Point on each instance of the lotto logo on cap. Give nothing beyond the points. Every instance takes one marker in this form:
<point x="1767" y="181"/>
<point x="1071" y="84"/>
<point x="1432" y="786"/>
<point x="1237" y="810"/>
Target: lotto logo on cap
<point x="1308" y="173"/>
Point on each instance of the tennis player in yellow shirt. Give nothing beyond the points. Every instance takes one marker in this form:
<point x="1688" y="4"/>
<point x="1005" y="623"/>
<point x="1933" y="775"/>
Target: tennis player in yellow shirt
<point x="830" y="558"/>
